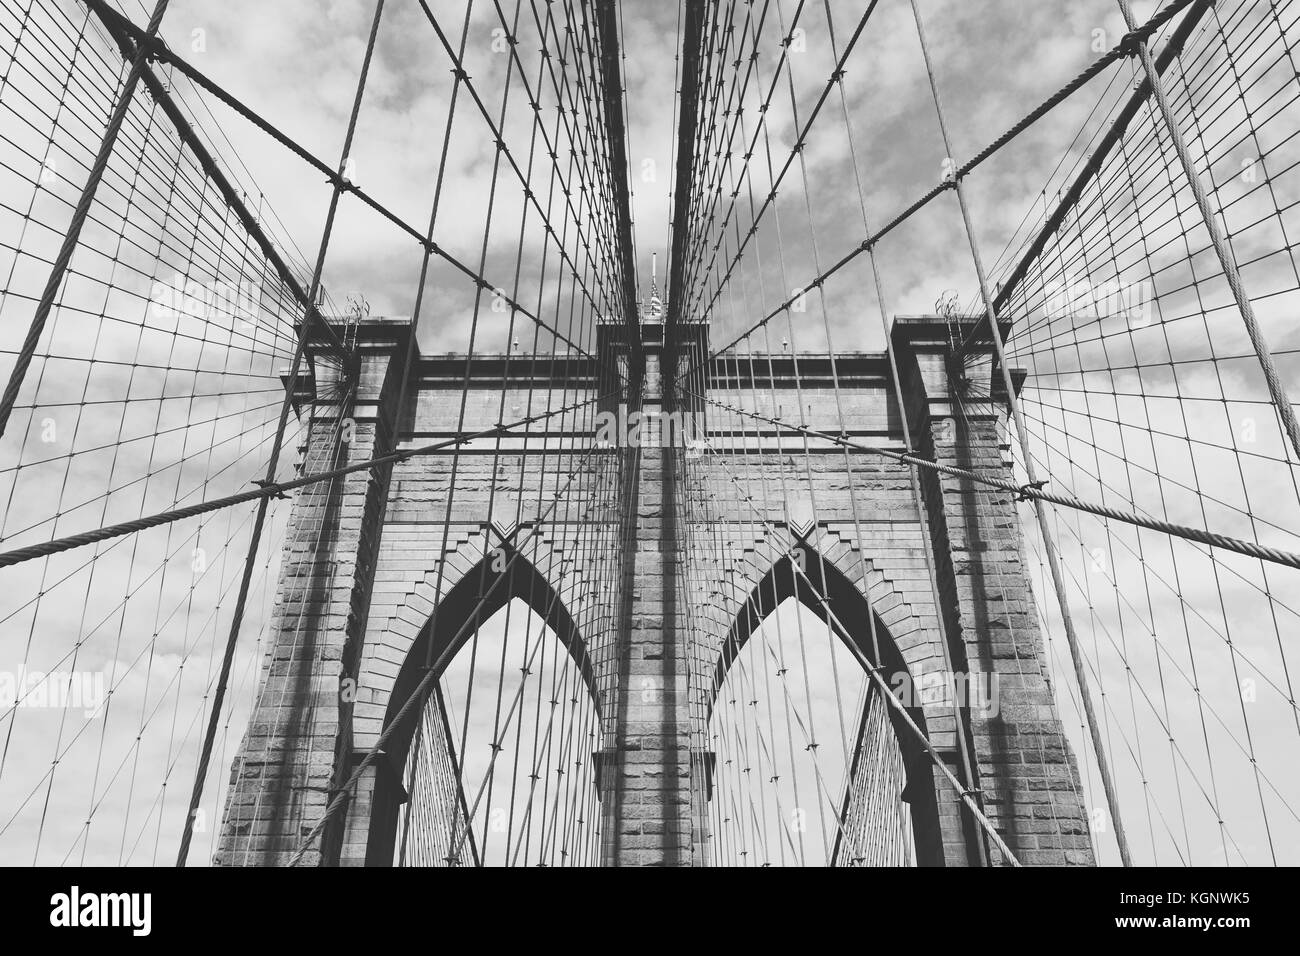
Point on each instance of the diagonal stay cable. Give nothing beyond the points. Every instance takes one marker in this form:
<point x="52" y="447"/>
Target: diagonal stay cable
<point x="1276" y="387"/>
<point x="422" y="690"/>
<point x="498" y="136"/>
<point x="1031" y="491"/>
<point x="145" y="46"/>
<point x="73" y="235"/>
<point x="1116" y="54"/>
<point x="873" y="672"/>
<point x="162" y="53"/>
<point x="270" y="490"/>
<point x="255" y="538"/>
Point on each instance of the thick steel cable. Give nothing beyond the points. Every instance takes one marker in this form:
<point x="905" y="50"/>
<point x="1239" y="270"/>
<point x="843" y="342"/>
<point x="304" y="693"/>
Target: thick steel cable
<point x="1197" y="313"/>
<point x="269" y="490"/>
<point x="1114" y="55"/>
<point x="1022" y="430"/>
<point x="255" y="539"/>
<point x="962" y="791"/>
<point x="408" y="362"/>
<point x="1155" y="159"/>
<point x="1128" y="673"/>
<point x="582" y="170"/>
<point x="73" y="235"/>
<point x="1276" y="388"/>
<point x="118" y="24"/>
<point x="835" y="379"/>
<point x="146" y="46"/>
<point x="493" y="179"/>
<point x="1033" y="491"/>
<point x="147" y="76"/>
<point x="510" y="29"/>
<point x="927" y="544"/>
<point x="1096" y="160"/>
<point x="419" y="693"/>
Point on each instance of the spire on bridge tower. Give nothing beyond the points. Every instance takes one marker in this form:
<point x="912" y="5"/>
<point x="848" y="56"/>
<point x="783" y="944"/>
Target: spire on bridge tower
<point x="653" y="309"/>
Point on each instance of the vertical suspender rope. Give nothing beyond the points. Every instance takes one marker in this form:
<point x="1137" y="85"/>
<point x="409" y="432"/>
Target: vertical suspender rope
<point x="254" y="543"/>
<point x="1278" y="392"/>
<point x="927" y="545"/>
<point x="79" y="215"/>
<point x="1103" y="764"/>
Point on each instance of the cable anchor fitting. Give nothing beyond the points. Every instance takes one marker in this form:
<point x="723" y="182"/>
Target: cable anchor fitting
<point x="155" y="50"/>
<point x="1130" y="44"/>
<point x="1023" y="495"/>
<point x="264" y="484"/>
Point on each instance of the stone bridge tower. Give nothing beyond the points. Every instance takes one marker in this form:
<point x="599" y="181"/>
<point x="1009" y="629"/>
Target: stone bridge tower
<point x="380" y="581"/>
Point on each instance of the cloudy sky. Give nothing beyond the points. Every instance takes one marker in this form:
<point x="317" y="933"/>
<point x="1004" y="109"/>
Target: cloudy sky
<point x="296" y="63"/>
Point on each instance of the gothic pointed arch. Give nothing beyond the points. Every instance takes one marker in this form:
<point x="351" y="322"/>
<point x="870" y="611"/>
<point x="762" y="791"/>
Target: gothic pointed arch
<point x="818" y="586"/>
<point x="482" y="591"/>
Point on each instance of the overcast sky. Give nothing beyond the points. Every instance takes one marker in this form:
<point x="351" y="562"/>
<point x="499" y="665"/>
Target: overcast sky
<point x="296" y="63"/>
